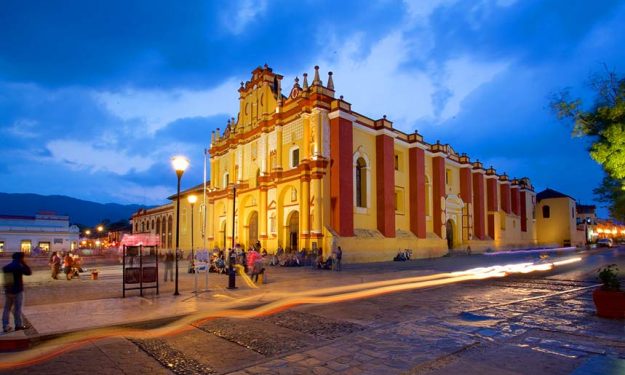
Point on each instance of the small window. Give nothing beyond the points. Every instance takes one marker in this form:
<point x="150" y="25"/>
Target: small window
<point x="226" y="180"/>
<point x="546" y="212"/>
<point x="396" y="162"/>
<point x="294" y="158"/>
<point x="44" y="246"/>
<point x="448" y="176"/>
<point x="1" y="246"/>
<point x="399" y="200"/>
<point x="25" y="246"/>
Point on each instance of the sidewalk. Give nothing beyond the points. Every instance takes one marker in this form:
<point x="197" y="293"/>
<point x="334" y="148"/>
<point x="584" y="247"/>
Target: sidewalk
<point x="91" y="304"/>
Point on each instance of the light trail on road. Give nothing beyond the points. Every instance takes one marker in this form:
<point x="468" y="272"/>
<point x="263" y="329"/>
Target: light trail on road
<point x="283" y="301"/>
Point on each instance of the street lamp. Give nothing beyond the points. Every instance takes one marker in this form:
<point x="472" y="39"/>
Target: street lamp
<point x="192" y="199"/>
<point x="180" y="164"/>
<point x="100" y="229"/>
<point x="232" y="257"/>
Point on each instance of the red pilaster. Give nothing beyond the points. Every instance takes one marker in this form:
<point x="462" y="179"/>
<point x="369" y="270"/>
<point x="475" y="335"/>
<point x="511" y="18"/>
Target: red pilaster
<point x="385" y="175"/>
<point x="438" y="193"/>
<point x="416" y="162"/>
<point x="478" y="206"/>
<point x="491" y="194"/>
<point x="504" y="189"/>
<point x="466" y="185"/>
<point x="516" y="200"/>
<point x="341" y="177"/>
<point x="523" y="211"/>
<point x="491" y="203"/>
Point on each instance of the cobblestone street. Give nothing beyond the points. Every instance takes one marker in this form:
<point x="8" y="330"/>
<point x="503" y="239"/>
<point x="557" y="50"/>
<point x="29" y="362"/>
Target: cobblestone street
<point x="538" y="324"/>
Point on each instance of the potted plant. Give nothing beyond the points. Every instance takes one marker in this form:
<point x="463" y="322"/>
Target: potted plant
<point x="608" y="298"/>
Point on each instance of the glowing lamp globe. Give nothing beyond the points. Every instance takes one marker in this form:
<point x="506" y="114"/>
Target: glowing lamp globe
<point x="180" y="163"/>
<point x="192" y="199"/>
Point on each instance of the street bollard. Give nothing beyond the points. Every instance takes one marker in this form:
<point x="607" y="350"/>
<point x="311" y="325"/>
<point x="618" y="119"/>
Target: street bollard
<point x="231" y="278"/>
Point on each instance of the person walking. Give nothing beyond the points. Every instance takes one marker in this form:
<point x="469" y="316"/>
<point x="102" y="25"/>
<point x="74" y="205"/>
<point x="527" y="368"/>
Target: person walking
<point x="14" y="291"/>
<point x="55" y="265"/>
<point x="169" y="265"/>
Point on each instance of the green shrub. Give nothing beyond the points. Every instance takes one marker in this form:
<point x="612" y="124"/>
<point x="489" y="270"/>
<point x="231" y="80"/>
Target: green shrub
<point x="609" y="277"/>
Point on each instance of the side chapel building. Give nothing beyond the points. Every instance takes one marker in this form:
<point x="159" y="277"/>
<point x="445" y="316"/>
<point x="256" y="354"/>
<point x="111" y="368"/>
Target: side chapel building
<point x="310" y="172"/>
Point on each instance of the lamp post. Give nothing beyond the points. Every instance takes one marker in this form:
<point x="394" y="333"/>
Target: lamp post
<point x="180" y="164"/>
<point x="192" y="199"/>
<point x="231" y="275"/>
<point x="100" y="228"/>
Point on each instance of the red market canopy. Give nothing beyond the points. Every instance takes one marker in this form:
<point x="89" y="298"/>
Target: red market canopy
<point x="145" y="239"/>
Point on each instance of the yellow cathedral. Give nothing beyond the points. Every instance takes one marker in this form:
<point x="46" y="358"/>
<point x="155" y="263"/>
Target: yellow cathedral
<point x="305" y="171"/>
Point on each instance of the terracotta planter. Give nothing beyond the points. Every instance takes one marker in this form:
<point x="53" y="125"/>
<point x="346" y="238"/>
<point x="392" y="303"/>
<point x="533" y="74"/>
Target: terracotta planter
<point x="609" y="304"/>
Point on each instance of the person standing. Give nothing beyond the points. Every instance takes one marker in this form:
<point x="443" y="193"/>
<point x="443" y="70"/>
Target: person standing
<point x="55" y="265"/>
<point x="68" y="263"/>
<point x="338" y="255"/>
<point x="169" y="265"/>
<point x="14" y="291"/>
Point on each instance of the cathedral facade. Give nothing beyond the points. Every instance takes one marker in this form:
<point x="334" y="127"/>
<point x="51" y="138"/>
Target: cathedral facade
<point x="307" y="171"/>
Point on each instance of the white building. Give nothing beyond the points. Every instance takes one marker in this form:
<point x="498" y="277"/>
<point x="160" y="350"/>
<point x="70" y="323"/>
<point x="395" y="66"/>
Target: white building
<point x="41" y="233"/>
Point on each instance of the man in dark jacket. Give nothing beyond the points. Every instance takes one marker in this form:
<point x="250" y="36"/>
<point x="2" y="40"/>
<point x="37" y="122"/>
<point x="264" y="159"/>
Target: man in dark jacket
<point x="14" y="291"/>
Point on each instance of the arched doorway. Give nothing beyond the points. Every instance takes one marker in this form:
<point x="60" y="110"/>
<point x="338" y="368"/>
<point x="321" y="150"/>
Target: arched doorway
<point x="449" y="229"/>
<point x="293" y="230"/>
<point x="252" y="234"/>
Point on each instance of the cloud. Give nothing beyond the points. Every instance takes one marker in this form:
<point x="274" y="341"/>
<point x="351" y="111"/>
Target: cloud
<point x="145" y="194"/>
<point x="246" y="12"/>
<point x="462" y="77"/>
<point x="157" y="108"/>
<point x="81" y="156"/>
<point x="23" y="128"/>
<point x="406" y="94"/>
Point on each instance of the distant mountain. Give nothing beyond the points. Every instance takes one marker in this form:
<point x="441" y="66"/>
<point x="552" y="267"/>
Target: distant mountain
<point x="79" y="211"/>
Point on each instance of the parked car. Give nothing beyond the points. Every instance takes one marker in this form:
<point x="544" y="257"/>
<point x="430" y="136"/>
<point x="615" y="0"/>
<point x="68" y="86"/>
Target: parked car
<point x="605" y="242"/>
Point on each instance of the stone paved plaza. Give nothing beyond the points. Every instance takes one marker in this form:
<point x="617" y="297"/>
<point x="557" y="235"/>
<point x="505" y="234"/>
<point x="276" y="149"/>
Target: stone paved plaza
<point x="536" y="324"/>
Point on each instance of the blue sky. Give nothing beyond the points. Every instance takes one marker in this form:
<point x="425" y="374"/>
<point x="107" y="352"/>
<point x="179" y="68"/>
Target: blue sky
<point x="95" y="97"/>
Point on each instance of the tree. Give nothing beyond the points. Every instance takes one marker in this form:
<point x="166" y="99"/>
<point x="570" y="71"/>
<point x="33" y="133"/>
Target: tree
<point x="604" y="124"/>
<point x="611" y="193"/>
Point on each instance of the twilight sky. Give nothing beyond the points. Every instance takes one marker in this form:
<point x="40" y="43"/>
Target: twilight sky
<point x="95" y="97"/>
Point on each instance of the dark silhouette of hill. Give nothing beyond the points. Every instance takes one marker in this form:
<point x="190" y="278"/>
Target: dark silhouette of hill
<point x="79" y="211"/>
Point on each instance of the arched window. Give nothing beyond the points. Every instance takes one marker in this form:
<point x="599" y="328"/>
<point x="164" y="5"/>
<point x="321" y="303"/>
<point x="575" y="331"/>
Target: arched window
<point x="361" y="183"/>
<point x="170" y="224"/>
<point x="546" y="212"/>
